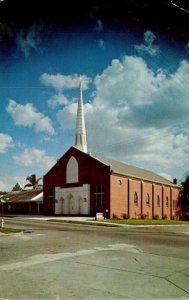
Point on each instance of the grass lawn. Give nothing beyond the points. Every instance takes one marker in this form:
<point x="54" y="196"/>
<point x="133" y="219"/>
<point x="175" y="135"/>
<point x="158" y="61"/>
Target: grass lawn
<point x="107" y="222"/>
<point x="82" y="222"/>
<point x="147" y="222"/>
<point x="9" y="230"/>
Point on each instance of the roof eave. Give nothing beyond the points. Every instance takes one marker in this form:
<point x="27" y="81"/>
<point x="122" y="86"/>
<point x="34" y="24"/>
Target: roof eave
<point x="144" y="179"/>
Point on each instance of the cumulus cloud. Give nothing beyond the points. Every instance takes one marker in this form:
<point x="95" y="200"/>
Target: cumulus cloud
<point x="66" y="116"/>
<point x="35" y="158"/>
<point x="8" y="182"/>
<point x="6" y="142"/>
<point x="60" y="82"/>
<point x="148" y="46"/>
<point x="3" y="186"/>
<point x="142" y="97"/>
<point x="28" y="116"/>
<point x="168" y="101"/>
<point x="29" y="40"/>
<point x="56" y="100"/>
<point x="136" y="113"/>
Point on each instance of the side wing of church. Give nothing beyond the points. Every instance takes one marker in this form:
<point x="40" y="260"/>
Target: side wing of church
<point x="81" y="183"/>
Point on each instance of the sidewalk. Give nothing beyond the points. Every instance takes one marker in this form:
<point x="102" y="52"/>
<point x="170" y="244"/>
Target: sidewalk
<point x="66" y="218"/>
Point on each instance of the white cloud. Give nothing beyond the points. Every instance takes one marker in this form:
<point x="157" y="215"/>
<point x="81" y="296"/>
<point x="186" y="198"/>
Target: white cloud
<point x="166" y="102"/>
<point x="3" y="186"/>
<point x="56" y="100"/>
<point x="127" y="82"/>
<point x="134" y="115"/>
<point x="6" y="142"/>
<point x="67" y="116"/>
<point x="143" y="97"/>
<point x="28" y="116"/>
<point x="28" y="41"/>
<point x="60" y="81"/>
<point x="148" y="46"/>
<point x="8" y="182"/>
<point x="36" y="158"/>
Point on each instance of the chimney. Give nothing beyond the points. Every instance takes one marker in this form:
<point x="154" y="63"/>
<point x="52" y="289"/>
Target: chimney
<point x="175" y="181"/>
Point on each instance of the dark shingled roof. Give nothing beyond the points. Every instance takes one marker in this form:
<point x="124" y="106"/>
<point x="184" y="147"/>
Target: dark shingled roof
<point x="132" y="171"/>
<point x="22" y="196"/>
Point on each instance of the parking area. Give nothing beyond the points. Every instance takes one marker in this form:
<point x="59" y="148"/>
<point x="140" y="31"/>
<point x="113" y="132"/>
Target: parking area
<point x="55" y="261"/>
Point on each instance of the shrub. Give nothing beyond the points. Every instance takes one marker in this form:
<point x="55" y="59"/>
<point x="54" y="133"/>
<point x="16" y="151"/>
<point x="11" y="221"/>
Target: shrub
<point x="114" y="216"/>
<point x="165" y="217"/>
<point x="143" y="216"/>
<point x="156" y="217"/>
<point x="125" y="216"/>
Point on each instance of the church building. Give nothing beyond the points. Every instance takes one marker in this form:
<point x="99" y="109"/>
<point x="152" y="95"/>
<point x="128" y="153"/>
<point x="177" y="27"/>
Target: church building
<point x="82" y="183"/>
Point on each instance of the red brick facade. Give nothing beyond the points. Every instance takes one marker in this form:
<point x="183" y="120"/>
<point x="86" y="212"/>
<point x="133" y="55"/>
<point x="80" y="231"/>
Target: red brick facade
<point x="121" y="196"/>
<point x="135" y="198"/>
<point x="90" y="172"/>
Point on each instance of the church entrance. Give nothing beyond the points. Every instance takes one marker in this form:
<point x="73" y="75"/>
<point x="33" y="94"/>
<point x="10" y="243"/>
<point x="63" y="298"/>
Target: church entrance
<point x="72" y="201"/>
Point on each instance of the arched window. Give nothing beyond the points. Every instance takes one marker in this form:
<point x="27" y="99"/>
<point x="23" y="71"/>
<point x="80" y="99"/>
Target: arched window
<point x="147" y="200"/>
<point x="158" y="201"/>
<point x="72" y="170"/>
<point x="119" y="182"/>
<point x="135" y="199"/>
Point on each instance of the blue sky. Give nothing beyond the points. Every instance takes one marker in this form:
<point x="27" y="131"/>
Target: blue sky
<point x="136" y="87"/>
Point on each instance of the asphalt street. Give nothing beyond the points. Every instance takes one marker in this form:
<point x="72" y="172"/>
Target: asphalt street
<point x="56" y="260"/>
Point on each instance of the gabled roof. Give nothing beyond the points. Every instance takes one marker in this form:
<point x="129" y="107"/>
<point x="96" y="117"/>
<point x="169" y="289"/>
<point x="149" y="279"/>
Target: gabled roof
<point x="132" y="171"/>
<point x="23" y="196"/>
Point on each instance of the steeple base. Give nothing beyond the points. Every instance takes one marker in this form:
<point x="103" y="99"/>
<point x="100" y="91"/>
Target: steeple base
<point x="81" y="142"/>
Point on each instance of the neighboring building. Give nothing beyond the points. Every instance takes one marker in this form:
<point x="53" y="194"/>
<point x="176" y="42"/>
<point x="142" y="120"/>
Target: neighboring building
<point x="28" y="202"/>
<point x="82" y="183"/>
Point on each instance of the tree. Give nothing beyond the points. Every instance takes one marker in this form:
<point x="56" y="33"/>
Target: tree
<point x="3" y="192"/>
<point x="185" y="196"/>
<point x="17" y="187"/>
<point x="34" y="182"/>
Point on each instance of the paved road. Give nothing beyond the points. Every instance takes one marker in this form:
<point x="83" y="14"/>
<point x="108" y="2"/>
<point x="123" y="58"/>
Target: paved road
<point x="55" y="261"/>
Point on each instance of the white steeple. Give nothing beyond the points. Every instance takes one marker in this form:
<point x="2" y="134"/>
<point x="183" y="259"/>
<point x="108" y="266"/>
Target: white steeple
<point x="80" y="136"/>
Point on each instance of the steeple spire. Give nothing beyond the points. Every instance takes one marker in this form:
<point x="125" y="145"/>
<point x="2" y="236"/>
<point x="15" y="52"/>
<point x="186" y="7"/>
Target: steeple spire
<point x="80" y="136"/>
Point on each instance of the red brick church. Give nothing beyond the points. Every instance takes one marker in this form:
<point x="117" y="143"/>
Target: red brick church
<point x="81" y="183"/>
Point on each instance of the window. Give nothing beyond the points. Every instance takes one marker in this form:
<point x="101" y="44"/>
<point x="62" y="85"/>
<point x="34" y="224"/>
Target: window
<point x="135" y="199"/>
<point x="167" y="202"/>
<point x="51" y="197"/>
<point x="72" y="170"/>
<point x="99" y="195"/>
<point x="147" y="200"/>
<point x="158" y="201"/>
<point x="119" y="182"/>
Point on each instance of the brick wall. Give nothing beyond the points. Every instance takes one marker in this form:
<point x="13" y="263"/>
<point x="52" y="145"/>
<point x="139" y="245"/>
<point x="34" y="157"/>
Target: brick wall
<point x="157" y="207"/>
<point x="90" y="172"/>
<point x="134" y="186"/>
<point x="159" y="204"/>
<point x="56" y="177"/>
<point x="119" y="196"/>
